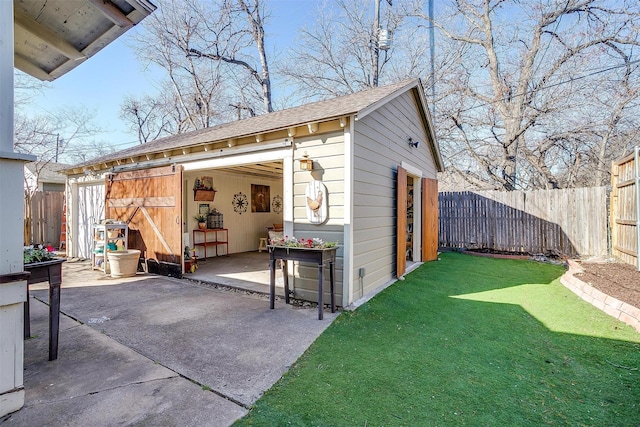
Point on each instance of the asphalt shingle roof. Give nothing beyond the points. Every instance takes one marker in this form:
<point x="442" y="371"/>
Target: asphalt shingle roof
<point x="283" y="119"/>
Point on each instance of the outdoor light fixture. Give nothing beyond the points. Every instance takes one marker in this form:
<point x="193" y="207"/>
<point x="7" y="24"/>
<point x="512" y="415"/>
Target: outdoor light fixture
<point x="306" y="164"/>
<point x="413" y="143"/>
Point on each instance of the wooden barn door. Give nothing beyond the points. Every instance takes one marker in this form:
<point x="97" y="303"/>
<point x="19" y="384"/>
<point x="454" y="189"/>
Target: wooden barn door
<point x="150" y="201"/>
<point x="429" y="219"/>
<point x="401" y="222"/>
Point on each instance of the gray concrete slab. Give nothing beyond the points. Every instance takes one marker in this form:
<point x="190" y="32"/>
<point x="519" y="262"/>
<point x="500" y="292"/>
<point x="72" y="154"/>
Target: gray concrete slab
<point x="163" y="351"/>
<point x="99" y="382"/>
<point x="246" y="270"/>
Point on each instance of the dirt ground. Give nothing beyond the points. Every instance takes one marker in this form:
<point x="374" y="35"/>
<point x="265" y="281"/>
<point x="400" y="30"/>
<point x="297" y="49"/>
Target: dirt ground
<point x="621" y="281"/>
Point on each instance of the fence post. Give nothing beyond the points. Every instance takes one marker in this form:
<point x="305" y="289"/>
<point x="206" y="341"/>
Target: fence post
<point x="613" y="206"/>
<point x="636" y="159"/>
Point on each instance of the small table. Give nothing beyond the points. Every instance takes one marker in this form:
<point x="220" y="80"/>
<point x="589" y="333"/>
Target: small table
<point x="310" y="255"/>
<point x="46" y="271"/>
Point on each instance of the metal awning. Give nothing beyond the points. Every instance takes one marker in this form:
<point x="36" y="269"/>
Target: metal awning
<point x="52" y="37"/>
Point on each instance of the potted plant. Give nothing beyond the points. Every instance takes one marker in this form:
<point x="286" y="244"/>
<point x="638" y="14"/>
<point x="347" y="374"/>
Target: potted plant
<point x="202" y="221"/>
<point x="34" y="254"/>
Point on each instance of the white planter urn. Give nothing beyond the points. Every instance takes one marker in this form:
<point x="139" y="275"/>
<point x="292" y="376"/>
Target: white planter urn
<point x="123" y="263"/>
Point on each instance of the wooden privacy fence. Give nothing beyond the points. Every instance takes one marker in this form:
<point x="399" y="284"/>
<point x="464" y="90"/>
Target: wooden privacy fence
<point x="569" y="222"/>
<point x="625" y="208"/>
<point x="43" y="218"/>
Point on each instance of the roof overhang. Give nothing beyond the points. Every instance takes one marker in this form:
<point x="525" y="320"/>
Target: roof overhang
<point x="52" y="37"/>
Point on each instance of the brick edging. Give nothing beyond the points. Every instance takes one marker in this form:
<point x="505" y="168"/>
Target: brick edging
<point x="612" y="306"/>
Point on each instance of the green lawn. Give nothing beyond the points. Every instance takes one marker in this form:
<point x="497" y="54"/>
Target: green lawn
<point x="465" y="341"/>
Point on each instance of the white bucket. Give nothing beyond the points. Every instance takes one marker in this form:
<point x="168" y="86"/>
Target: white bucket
<point x="123" y="263"/>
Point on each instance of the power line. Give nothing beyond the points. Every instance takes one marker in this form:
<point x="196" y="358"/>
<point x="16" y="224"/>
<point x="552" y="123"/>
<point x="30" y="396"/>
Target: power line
<point x="552" y="85"/>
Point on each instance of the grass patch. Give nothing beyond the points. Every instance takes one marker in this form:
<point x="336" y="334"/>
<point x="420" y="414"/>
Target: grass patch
<point x="465" y="341"/>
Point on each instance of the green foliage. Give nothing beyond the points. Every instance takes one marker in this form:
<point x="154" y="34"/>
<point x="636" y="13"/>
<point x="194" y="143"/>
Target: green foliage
<point x="292" y="242"/>
<point x="37" y="254"/>
<point x="465" y="341"/>
<point x="200" y="218"/>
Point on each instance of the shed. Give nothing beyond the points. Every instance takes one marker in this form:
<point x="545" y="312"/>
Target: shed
<point x="374" y="157"/>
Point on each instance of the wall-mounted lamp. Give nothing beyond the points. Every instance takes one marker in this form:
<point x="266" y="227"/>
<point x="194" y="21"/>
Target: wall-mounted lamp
<point x="306" y="164"/>
<point x="413" y="143"/>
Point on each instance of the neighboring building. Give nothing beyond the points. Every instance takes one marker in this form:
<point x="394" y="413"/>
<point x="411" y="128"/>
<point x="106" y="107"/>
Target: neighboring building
<point x="44" y="176"/>
<point x="374" y="151"/>
<point x="44" y="204"/>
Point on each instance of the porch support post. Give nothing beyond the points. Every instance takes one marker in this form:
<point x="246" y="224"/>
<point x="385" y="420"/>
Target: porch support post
<point x="13" y="284"/>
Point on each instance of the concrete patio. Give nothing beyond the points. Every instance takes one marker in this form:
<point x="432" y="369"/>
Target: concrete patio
<point x="153" y="350"/>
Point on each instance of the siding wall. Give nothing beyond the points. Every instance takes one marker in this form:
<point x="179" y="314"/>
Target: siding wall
<point x="327" y="152"/>
<point x="380" y="146"/>
<point x="245" y="229"/>
<point x="85" y="207"/>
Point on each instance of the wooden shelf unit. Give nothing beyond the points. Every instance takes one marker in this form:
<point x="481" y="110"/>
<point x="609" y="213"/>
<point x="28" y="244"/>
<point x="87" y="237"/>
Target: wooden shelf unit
<point x="218" y="240"/>
<point x="103" y="234"/>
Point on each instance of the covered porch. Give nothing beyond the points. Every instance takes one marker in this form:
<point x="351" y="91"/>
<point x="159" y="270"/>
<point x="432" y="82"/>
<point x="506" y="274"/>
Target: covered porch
<point x="247" y="271"/>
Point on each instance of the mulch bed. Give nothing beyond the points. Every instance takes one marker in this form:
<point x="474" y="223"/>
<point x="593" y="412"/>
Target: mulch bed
<point x="618" y="280"/>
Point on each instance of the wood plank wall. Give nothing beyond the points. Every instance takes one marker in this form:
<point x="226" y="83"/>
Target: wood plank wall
<point x="569" y="222"/>
<point x="624" y="237"/>
<point x="43" y="218"/>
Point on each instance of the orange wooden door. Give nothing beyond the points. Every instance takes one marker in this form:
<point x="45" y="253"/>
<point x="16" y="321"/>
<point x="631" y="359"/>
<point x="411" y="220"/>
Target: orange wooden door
<point x="150" y="201"/>
<point x="401" y="222"/>
<point x="429" y="219"/>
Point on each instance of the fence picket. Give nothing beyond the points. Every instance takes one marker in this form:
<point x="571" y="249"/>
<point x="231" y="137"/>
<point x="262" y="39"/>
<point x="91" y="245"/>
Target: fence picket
<point x="569" y="221"/>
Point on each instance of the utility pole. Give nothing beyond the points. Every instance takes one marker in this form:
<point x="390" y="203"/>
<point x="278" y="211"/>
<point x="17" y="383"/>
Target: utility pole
<point x="376" y="50"/>
<point x="432" y="51"/>
<point x="376" y="41"/>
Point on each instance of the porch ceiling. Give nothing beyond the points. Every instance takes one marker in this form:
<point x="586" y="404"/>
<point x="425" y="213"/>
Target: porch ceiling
<point x="259" y="170"/>
<point x="51" y="37"/>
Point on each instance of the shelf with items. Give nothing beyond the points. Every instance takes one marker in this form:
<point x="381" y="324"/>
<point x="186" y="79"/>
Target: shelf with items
<point x="219" y="237"/>
<point x="409" y="231"/>
<point x="106" y="238"/>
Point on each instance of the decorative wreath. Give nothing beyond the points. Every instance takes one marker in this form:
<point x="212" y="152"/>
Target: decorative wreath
<point x="240" y="203"/>
<point x="276" y="204"/>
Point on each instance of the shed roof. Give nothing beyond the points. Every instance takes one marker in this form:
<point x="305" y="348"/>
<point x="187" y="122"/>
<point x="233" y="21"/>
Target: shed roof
<point x="358" y="104"/>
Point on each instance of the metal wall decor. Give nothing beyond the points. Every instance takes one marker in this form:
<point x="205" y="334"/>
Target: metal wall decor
<point x="276" y="204"/>
<point x="316" y="195"/>
<point x="240" y="203"/>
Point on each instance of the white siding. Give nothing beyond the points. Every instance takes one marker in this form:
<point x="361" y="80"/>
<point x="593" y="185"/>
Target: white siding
<point x="380" y="146"/>
<point x="327" y="152"/>
<point x="85" y="207"/>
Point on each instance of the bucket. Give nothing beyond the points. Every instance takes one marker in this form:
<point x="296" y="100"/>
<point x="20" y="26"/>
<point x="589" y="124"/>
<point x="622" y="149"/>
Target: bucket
<point x="123" y="263"/>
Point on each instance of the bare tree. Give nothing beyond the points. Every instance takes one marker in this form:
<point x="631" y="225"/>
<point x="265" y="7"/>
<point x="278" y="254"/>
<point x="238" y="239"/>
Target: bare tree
<point x="336" y="54"/>
<point x="147" y="116"/>
<point x="214" y="57"/>
<point x="51" y="136"/>
<point x="520" y="109"/>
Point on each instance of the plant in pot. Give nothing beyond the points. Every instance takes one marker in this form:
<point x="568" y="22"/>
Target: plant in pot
<point x="39" y="253"/>
<point x="202" y="221"/>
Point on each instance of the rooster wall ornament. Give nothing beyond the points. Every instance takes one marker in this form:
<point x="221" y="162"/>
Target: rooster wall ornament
<point x="316" y="196"/>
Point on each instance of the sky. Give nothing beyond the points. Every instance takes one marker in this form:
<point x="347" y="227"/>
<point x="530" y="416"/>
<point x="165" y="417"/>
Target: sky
<point x="101" y="83"/>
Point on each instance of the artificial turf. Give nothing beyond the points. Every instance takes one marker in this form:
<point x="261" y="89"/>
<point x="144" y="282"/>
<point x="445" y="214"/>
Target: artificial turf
<point x="465" y="341"/>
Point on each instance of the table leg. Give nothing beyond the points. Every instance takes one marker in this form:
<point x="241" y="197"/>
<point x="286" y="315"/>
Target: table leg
<point x="331" y="280"/>
<point x="27" y="317"/>
<point x="54" y="320"/>
<point x="272" y="283"/>
<point x="285" y="279"/>
<point x="55" y="280"/>
<point x="320" y="304"/>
